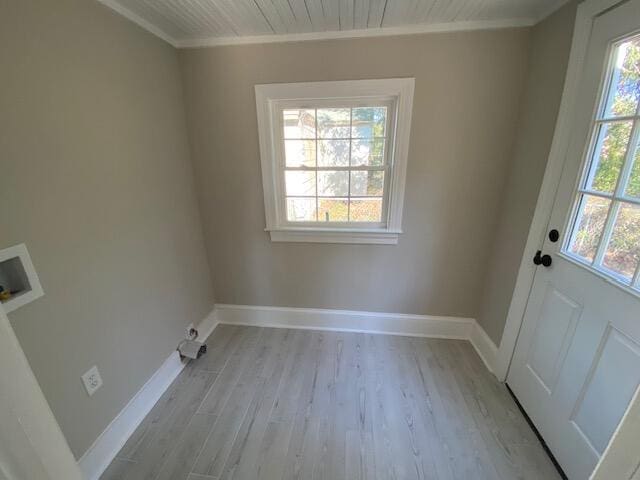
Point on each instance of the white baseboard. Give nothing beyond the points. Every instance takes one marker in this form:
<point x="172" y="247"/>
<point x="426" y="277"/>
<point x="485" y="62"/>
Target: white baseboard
<point x="207" y="326"/>
<point x="98" y="457"/>
<point x="487" y="350"/>
<point x="367" y="322"/>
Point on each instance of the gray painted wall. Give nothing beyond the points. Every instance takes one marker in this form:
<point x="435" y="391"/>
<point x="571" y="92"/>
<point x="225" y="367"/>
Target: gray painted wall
<point x="95" y="178"/>
<point x="468" y="90"/>
<point x="549" y="56"/>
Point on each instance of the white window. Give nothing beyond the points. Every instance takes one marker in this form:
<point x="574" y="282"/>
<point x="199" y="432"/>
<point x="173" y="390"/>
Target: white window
<point x="605" y="224"/>
<point x="334" y="158"/>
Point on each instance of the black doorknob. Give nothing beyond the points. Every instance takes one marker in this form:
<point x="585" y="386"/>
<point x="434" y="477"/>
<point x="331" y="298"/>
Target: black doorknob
<point x="537" y="260"/>
<point x="544" y="260"/>
<point x="554" y="235"/>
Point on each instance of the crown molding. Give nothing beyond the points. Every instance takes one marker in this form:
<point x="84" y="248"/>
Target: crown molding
<point x="547" y="12"/>
<point x="358" y="33"/>
<point x="141" y="22"/>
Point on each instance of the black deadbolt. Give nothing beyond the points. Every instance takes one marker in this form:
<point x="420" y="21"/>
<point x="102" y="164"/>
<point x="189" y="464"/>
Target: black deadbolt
<point x="554" y="235"/>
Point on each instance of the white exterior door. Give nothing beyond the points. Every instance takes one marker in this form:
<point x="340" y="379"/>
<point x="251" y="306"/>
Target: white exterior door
<point x="576" y="364"/>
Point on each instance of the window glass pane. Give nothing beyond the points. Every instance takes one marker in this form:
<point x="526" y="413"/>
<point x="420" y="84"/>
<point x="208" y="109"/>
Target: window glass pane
<point x="367" y="183"/>
<point x="367" y="152"/>
<point x="333" y="210"/>
<point x="633" y="184"/>
<point x="300" y="153"/>
<point x="300" y="183"/>
<point x="334" y="122"/>
<point x="299" y="123"/>
<point x="613" y="140"/>
<point x="588" y="228"/>
<point x="366" y="210"/>
<point x="623" y="250"/>
<point x="333" y="184"/>
<point x="368" y="122"/>
<point x="625" y="84"/>
<point x="333" y="153"/>
<point x="301" y="209"/>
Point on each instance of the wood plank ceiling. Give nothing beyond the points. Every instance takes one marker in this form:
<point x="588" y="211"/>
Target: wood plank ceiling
<point x="192" y="21"/>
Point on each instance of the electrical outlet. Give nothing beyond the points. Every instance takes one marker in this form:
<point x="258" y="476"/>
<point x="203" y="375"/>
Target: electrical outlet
<point x="92" y="380"/>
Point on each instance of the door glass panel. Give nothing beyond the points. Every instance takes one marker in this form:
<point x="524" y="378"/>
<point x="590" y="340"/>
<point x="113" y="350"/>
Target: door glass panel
<point x="589" y="226"/>
<point x="625" y="82"/>
<point x="605" y="232"/>
<point x="611" y="147"/>
<point x="623" y="250"/>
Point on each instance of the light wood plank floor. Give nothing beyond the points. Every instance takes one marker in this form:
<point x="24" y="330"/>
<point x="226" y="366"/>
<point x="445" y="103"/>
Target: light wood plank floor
<point x="277" y="404"/>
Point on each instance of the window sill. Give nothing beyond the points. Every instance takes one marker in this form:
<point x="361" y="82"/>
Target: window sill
<point x="334" y="235"/>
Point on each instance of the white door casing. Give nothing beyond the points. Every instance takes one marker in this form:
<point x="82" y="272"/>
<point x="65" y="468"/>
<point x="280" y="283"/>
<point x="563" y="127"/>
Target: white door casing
<point x="576" y="364"/>
<point x="32" y="445"/>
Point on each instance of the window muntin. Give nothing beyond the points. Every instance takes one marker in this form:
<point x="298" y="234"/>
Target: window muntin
<point x="336" y="162"/>
<point x="605" y="226"/>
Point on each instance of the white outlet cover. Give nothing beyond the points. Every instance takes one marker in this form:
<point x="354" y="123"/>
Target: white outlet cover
<point x="92" y="380"/>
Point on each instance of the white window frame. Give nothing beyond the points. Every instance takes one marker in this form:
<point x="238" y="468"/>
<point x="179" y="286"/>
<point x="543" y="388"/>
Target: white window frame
<point x="396" y="93"/>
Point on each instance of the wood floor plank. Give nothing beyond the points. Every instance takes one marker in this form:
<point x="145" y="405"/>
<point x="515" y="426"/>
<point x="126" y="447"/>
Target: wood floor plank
<point x="241" y="344"/>
<point x="505" y="434"/>
<point x="195" y="476"/>
<point x="301" y="456"/>
<point x="218" y="446"/>
<point x="282" y="404"/>
<point x="156" y="450"/>
<point x="117" y="470"/>
<point x="360" y="464"/>
<point x="376" y="388"/>
<point x="420" y="401"/>
<point x="242" y="460"/>
<point x="492" y="396"/>
<point x="220" y="344"/>
<point x="286" y="403"/>
<point x="274" y="451"/>
<point x="153" y="421"/>
<point x="181" y="459"/>
<point x="473" y="457"/>
<point x="408" y="433"/>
